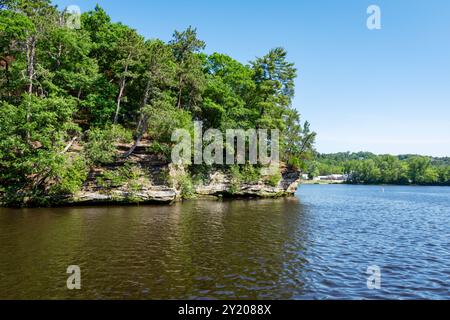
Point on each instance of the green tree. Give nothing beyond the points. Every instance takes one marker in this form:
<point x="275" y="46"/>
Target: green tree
<point x="190" y="76"/>
<point x="129" y="51"/>
<point x="229" y="88"/>
<point x="297" y="141"/>
<point x="100" y="147"/>
<point x="418" y="167"/>
<point x="14" y="28"/>
<point x="158" y="77"/>
<point x="274" y="79"/>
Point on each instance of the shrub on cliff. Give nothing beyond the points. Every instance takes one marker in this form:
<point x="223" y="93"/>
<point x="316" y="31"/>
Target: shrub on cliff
<point x="100" y="147"/>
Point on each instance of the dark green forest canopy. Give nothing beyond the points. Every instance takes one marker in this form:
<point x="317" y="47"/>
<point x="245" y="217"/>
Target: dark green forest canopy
<point x="104" y="84"/>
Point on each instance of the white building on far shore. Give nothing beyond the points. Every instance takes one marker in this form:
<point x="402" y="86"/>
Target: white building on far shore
<point x="332" y="177"/>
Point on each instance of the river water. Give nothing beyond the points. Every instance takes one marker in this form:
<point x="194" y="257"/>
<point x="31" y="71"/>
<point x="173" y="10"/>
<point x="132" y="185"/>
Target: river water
<point x="317" y="245"/>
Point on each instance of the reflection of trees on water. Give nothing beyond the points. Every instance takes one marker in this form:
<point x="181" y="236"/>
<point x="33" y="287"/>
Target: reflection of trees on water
<point x="195" y="249"/>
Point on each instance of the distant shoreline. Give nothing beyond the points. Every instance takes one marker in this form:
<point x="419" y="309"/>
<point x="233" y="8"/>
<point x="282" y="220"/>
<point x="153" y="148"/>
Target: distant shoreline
<point x="321" y="182"/>
<point x="304" y="182"/>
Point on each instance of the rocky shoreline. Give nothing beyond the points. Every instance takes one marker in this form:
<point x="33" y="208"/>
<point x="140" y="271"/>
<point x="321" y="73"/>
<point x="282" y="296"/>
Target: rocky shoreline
<point x="146" y="178"/>
<point x="219" y="186"/>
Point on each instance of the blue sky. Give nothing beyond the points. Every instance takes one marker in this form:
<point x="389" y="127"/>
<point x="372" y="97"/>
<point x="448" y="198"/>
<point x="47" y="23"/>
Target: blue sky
<point x="385" y="91"/>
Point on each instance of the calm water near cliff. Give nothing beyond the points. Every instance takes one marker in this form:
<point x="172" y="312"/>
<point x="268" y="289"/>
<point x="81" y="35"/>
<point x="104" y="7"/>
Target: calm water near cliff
<point x="317" y="245"/>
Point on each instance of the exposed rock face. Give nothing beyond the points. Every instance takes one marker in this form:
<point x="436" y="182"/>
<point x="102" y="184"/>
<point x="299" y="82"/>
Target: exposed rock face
<point x="143" y="187"/>
<point x="153" y="194"/>
<point x="150" y="190"/>
<point x="220" y="184"/>
<point x="290" y="181"/>
<point x="146" y="178"/>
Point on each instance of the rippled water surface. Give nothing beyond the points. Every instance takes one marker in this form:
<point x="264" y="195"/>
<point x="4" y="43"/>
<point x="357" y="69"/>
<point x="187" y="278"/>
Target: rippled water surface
<point x="316" y="245"/>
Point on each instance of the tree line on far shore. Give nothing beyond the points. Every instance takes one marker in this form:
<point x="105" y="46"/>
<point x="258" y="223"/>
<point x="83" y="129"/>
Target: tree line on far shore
<point x="368" y="168"/>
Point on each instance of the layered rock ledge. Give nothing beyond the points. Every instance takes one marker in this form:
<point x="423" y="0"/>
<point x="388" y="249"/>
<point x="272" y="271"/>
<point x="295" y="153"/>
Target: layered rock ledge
<point x="150" y="190"/>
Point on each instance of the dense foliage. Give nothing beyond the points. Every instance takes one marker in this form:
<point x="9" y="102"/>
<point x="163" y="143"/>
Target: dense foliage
<point x="368" y="168"/>
<point x="104" y="83"/>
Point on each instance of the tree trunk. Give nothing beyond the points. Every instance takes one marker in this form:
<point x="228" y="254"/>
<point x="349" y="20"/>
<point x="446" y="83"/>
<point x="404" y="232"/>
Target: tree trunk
<point x="142" y="124"/>
<point x="121" y="90"/>
<point x="7" y="72"/>
<point x="138" y="138"/>
<point x="58" y="57"/>
<point x="180" y="92"/>
<point x="119" y="99"/>
<point x="144" y="103"/>
<point x="31" y="52"/>
<point x="31" y="55"/>
<point x="69" y="145"/>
